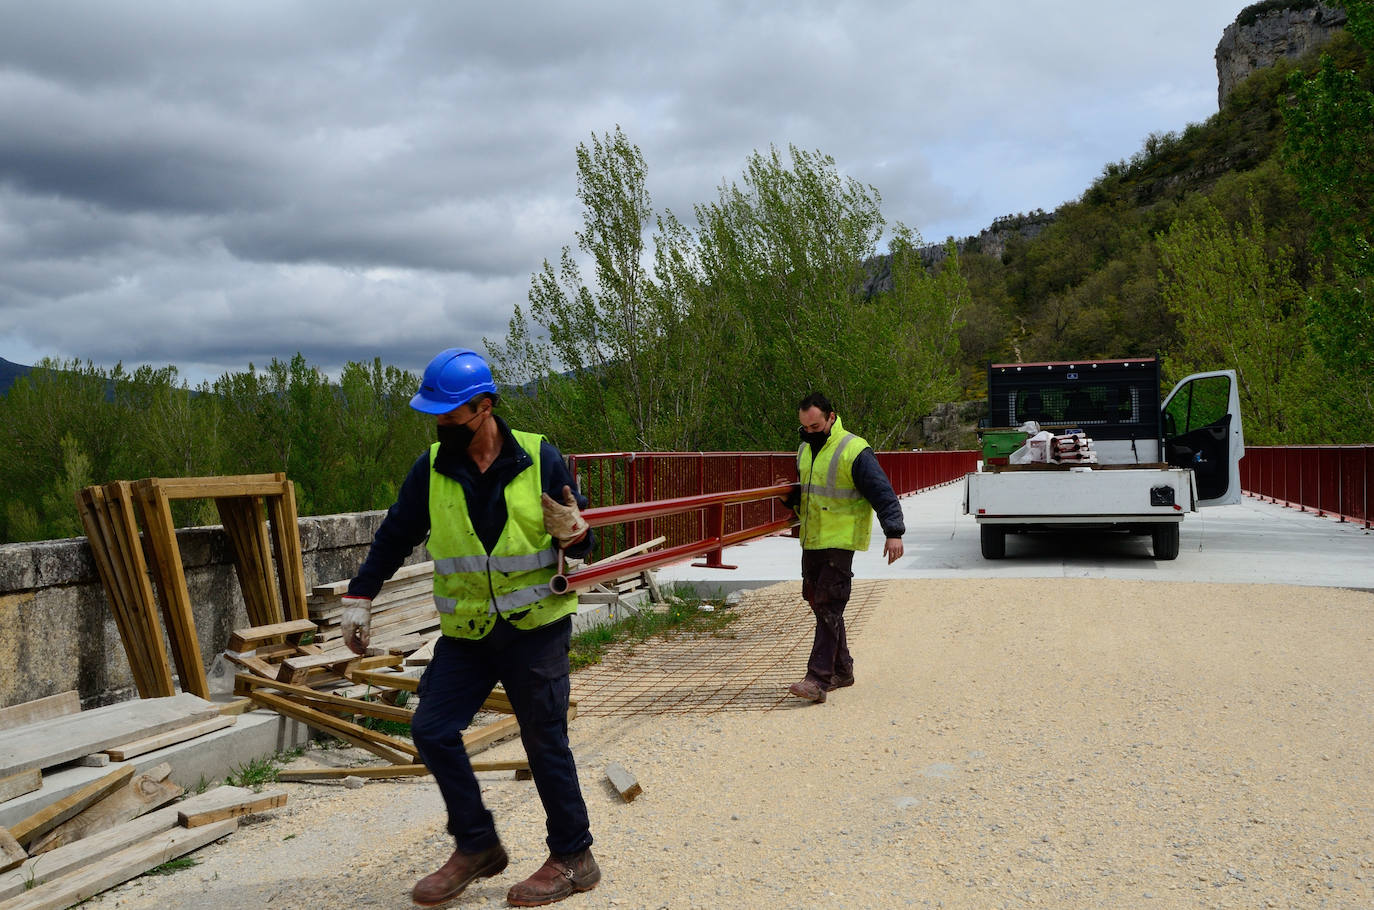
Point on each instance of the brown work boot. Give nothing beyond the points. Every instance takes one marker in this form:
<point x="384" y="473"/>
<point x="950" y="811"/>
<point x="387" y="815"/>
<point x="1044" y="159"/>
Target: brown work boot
<point x="808" y="689"/>
<point x="559" y="877"/>
<point x="840" y="681"/>
<point x="456" y="874"/>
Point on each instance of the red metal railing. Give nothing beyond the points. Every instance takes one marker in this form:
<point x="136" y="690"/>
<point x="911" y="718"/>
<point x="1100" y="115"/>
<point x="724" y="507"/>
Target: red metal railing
<point x="1328" y="480"/>
<point x="644" y="480"/>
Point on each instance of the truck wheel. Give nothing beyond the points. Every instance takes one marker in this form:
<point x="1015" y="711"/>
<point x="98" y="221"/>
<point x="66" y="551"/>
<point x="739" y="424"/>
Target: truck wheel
<point x="994" y="541"/>
<point x="1165" y="539"/>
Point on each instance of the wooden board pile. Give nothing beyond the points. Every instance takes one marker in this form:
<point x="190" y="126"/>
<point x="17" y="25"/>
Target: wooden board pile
<point x="110" y="514"/>
<point x="122" y="823"/>
<point x="402" y="612"/>
<point x="303" y="671"/>
<point x="1072" y="448"/>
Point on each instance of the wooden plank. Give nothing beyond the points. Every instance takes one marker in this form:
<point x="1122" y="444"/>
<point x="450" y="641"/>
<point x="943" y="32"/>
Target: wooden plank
<point x="490" y="734"/>
<point x="133" y="555"/>
<point x="95" y="847"/>
<point x="19" y="783"/>
<point x="371" y="772"/>
<point x="146" y="744"/>
<point x="404" y="573"/>
<point x="233" y="806"/>
<point x="254" y="665"/>
<point x="12" y="854"/>
<point x="243" y="526"/>
<point x="144" y="793"/>
<point x="236" y="707"/>
<point x="394" y="750"/>
<point x="385" y="680"/>
<point x="52" y="742"/>
<point x="327" y="701"/>
<point x="623" y="781"/>
<point x="49" y="817"/>
<point x="218" y="487"/>
<point x="173" y="595"/>
<point x="96" y="536"/>
<point x="60" y="893"/>
<point x="133" y="611"/>
<point x="638" y="548"/>
<point x="252" y="637"/>
<point x="284" y="529"/>
<point x="30" y="712"/>
<point x="422" y="656"/>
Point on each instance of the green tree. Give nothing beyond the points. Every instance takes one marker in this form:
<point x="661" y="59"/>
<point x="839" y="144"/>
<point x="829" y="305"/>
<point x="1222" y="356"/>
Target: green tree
<point x="1329" y="148"/>
<point x="1238" y="307"/>
<point x="781" y="256"/>
<point x="604" y="335"/>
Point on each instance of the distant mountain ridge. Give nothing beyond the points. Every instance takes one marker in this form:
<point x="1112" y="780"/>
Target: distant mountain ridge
<point x="9" y="372"/>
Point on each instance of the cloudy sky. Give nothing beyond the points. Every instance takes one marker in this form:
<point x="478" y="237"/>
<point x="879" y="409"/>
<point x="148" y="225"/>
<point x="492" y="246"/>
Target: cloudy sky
<point x="213" y="184"/>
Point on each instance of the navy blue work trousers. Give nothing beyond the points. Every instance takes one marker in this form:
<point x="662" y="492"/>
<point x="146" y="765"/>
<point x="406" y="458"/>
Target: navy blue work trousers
<point x="533" y="667"/>
<point x="827" y="577"/>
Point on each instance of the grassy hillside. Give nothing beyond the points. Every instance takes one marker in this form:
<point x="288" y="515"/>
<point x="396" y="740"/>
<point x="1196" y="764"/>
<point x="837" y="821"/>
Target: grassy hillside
<point x="1088" y="285"/>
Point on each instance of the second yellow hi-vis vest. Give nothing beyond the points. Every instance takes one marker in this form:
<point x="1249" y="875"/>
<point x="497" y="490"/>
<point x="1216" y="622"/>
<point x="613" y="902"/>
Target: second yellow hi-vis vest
<point x="470" y="585"/>
<point x="834" y="514"/>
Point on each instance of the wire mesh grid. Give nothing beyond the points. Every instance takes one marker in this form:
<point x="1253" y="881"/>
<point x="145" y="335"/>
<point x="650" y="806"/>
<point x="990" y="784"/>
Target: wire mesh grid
<point x="747" y="666"/>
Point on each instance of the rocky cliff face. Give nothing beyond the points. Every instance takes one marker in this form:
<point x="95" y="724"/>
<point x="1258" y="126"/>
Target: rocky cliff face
<point x="1265" y="32"/>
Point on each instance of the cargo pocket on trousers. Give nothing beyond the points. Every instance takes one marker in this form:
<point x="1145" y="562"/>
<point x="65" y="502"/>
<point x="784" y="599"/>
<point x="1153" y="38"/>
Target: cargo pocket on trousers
<point x="833" y="584"/>
<point x="550" y="685"/>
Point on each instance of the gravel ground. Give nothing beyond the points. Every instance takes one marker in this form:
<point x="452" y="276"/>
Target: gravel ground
<point x="1059" y="743"/>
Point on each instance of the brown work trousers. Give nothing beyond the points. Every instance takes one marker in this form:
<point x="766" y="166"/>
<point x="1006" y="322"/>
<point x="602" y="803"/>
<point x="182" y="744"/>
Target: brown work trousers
<point x="826" y="581"/>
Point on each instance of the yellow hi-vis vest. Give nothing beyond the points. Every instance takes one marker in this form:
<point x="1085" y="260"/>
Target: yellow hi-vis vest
<point x="472" y="586"/>
<point x="834" y="514"/>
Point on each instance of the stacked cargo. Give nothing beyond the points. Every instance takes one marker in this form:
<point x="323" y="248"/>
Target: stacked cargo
<point x="1072" y="448"/>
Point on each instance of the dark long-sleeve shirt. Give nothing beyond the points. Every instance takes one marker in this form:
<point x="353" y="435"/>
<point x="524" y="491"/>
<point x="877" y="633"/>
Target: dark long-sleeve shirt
<point x="406" y="524"/>
<point x="872" y="483"/>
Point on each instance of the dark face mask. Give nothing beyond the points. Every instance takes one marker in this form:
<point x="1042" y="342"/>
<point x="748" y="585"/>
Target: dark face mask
<point x="456" y="437"/>
<point x="815" y="439"/>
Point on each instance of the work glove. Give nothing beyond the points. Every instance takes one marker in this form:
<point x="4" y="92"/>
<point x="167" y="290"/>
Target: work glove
<point x="356" y="623"/>
<point x="563" y="521"/>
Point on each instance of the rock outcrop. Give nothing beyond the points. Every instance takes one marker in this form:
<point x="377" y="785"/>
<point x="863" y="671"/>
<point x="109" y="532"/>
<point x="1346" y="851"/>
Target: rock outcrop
<point x="1264" y="33"/>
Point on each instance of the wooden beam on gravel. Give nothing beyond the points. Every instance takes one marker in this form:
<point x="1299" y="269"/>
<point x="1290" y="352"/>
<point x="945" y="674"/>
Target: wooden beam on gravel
<point x="386" y="747"/>
<point x="230" y="802"/>
<point x="144" y="793"/>
<point x="95" y="847"/>
<point x="68" y="890"/>
<point x="43" y="821"/>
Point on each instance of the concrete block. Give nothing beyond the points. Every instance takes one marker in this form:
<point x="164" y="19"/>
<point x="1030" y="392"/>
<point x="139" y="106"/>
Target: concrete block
<point x="18" y="568"/>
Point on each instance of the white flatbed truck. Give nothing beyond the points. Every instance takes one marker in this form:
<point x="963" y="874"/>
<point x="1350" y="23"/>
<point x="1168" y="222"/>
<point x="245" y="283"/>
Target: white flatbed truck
<point x="1155" y="462"/>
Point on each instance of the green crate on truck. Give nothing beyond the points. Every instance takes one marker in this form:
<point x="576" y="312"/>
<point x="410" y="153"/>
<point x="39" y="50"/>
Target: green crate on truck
<point x="998" y="444"/>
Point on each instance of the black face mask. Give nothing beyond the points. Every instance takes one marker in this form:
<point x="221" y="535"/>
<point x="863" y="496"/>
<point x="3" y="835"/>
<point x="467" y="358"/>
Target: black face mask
<point x="815" y="439"/>
<point x="455" y="438"/>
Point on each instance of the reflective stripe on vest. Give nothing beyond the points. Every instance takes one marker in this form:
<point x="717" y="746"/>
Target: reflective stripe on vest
<point x="472" y="586"/>
<point x="834" y="514"/>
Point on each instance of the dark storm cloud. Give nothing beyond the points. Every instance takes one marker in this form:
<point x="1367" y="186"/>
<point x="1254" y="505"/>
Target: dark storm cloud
<point x="218" y="183"/>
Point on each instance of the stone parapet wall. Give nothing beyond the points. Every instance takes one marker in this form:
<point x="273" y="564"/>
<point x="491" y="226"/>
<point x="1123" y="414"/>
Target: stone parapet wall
<point x="57" y="631"/>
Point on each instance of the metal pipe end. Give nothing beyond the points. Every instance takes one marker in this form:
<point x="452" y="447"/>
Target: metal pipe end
<point x="559" y="584"/>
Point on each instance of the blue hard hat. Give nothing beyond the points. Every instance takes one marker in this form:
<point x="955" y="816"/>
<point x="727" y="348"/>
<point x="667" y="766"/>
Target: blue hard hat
<point x="454" y="377"/>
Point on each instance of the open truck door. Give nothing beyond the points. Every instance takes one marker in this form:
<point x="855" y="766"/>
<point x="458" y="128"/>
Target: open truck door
<point x="1202" y="432"/>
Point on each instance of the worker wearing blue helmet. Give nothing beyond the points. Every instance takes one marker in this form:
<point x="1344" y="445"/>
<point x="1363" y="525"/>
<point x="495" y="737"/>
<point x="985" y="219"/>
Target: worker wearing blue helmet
<point x="495" y="506"/>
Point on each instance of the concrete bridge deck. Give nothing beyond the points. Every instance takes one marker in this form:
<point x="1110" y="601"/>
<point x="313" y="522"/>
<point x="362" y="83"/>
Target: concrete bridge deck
<point x="1253" y="542"/>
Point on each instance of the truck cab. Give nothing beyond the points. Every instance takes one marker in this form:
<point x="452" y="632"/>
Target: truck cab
<point x="1152" y="461"/>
